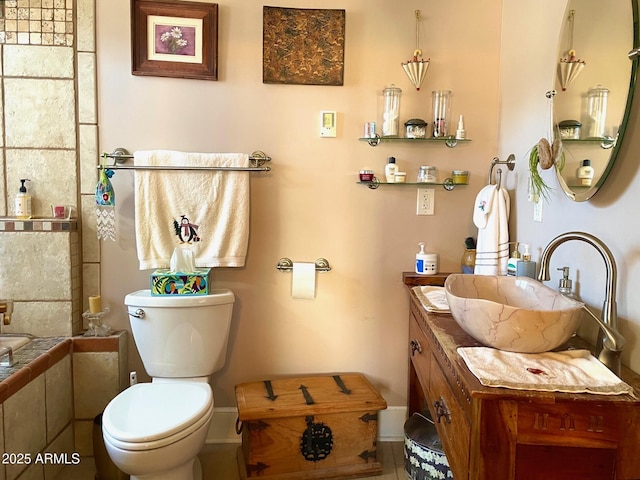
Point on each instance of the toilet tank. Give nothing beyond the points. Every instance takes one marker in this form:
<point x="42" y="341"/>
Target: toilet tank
<point x="181" y="336"/>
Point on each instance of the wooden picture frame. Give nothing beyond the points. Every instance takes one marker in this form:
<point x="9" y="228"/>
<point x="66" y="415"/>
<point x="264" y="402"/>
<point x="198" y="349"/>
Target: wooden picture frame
<point x="174" y="39"/>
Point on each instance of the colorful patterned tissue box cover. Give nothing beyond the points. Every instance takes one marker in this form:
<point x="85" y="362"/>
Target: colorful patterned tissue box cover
<point x="165" y="282"/>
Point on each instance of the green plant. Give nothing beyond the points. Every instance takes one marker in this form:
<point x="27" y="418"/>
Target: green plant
<point x="544" y="155"/>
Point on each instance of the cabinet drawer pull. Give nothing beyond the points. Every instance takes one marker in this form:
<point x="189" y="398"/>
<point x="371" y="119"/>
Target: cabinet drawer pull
<point x="442" y="410"/>
<point x="415" y="347"/>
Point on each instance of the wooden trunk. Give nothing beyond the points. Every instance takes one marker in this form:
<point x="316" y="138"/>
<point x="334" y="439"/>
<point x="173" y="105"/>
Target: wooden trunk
<point x="313" y="427"/>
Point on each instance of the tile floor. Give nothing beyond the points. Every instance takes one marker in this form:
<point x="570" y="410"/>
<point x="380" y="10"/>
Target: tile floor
<point x="219" y="463"/>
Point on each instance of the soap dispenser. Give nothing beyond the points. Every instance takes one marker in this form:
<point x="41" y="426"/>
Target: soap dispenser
<point x="565" y="286"/>
<point x="526" y="267"/>
<point x="512" y="263"/>
<point x="23" y="201"/>
<point x="426" y="263"/>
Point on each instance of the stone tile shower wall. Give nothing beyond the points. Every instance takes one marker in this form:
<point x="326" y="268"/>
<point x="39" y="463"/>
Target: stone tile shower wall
<point x="48" y="133"/>
<point x="38" y="22"/>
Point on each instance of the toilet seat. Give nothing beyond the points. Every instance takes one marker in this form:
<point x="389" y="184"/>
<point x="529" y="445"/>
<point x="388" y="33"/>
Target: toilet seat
<point x="158" y="413"/>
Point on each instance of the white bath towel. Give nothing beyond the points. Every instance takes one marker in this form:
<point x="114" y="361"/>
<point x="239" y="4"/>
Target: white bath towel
<point x="208" y="209"/>
<point x="491" y="216"/>
<point x="575" y="371"/>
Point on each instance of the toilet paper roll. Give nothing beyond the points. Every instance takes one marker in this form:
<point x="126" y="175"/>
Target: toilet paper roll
<point x="303" y="281"/>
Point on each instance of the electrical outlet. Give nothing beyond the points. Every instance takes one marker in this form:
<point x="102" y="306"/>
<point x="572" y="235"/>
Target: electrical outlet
<point x="537" y="210"/>
<point x="426" y="201"/>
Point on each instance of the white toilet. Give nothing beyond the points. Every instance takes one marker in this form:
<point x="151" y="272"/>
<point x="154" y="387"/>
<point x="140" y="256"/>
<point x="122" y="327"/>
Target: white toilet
<point x="154" y="431"/>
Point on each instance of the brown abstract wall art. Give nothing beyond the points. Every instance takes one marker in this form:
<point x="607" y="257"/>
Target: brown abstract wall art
<point x="303" y="46"/>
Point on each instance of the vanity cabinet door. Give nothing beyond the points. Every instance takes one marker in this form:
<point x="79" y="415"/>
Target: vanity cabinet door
<point x="451" y="422"/>
<point x="419" y="351"/>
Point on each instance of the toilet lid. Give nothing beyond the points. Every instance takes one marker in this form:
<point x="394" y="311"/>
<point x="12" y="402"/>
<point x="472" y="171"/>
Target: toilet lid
<point x="147" y="412"/>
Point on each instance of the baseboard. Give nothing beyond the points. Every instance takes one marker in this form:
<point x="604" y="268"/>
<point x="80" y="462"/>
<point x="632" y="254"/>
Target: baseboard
<point x="391" y="426"/>
<point x="223" y="425"/>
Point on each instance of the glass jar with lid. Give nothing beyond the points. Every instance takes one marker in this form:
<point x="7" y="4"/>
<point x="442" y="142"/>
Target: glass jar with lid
<point x="415" y="128"/>
<point x="391" y="115"/>
<point x="427" y="174"/>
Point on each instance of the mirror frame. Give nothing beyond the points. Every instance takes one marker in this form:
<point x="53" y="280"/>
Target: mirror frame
<point x="581" y="196"/>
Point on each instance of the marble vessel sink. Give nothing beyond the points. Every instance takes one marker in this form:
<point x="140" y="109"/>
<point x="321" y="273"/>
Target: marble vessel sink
<point x="517" y="314"/>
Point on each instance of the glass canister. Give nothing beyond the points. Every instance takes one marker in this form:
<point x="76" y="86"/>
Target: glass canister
<point x="460" y="177"/>
<point x="427" y="174"/>
<point x="441" y="102"/>
<point x="415" y="128"/>
<point x="391" y="113"/>
<point x="597" y="111"/>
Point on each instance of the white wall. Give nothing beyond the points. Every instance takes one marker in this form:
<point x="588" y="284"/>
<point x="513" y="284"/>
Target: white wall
<point x="499" y="61"/>
<point x="310" y="206"/>
<point x="610" y="215"/>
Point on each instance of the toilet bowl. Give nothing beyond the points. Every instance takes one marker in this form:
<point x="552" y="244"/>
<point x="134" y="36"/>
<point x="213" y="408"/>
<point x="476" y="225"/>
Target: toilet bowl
<point x="154" y="431"/>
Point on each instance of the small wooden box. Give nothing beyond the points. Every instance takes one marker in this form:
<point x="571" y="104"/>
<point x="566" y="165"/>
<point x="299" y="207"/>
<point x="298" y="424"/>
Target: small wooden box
<point x="314" y="427"/>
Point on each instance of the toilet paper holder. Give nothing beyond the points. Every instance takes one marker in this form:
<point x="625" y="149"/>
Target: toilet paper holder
<point x="285" y="265"/>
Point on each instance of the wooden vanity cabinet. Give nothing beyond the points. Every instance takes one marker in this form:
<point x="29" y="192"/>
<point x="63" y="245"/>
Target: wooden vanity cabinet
<point x="493" y="433"/>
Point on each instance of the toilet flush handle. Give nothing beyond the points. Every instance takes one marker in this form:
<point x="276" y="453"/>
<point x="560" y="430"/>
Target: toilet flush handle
<point x="139" y="313"/>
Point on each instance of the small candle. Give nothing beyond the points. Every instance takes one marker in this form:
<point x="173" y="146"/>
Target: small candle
<point x="95" y="304"/>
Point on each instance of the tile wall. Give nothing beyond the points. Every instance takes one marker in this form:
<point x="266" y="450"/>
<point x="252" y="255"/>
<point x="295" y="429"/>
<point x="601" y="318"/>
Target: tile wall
<point x="36" y="413"/>
<point x="37" y="22"/>
<point x="49" y="399"/>
<point x="100" y="372"/>
<point x="49" y="134"/>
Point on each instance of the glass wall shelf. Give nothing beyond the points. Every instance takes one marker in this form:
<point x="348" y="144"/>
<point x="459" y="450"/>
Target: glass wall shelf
<point x="605" y="142"/>
<point x="447" y="184"/>
<point x="450" y="141"/>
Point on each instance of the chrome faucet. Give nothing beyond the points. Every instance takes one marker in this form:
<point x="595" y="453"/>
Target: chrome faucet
<point x="609" y="343"/>
<point x="6" y="357"/>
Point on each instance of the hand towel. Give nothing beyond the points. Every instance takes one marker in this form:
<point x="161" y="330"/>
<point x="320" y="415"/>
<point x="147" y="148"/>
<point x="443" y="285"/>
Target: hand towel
<point x="572" y="371"/>
<point x="491" y="216"/>
<point x="207" y="209"/>
<point x="433" y="299"/>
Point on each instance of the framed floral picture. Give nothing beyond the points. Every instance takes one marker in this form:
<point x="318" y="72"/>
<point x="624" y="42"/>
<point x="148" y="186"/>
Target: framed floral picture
<point x="174" y="39"/>
<point x="303" y="46"/>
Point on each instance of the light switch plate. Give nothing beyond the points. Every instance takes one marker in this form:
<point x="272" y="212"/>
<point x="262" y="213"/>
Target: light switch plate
<point x="328" y="123"/>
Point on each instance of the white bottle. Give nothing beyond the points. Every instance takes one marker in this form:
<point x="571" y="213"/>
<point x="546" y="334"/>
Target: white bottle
<point x="390" y="170"/>
<point x="426" y="263"/>
<point x="512" y="263"/>
<point x="23" y="202"/>
<point x="585" y="173"/>
<point x="461" y="134"/>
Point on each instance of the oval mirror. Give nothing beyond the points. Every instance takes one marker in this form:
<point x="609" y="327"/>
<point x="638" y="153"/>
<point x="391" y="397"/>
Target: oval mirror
<point x="595" y="80"/>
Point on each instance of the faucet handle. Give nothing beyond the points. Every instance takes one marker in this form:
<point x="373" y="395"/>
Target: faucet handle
<point x="6" y="308"/>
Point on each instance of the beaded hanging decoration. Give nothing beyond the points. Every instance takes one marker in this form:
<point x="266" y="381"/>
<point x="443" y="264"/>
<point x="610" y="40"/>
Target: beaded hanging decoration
<point x="105" y="206"/>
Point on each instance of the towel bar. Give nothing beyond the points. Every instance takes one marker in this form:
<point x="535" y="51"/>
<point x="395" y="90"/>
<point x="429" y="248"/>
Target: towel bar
<point x="121" y="155"/>
<point x="285" y="265"/>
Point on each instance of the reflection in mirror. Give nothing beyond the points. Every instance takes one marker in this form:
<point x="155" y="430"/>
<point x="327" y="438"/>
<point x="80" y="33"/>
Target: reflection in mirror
<point x="592" y="111"/>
